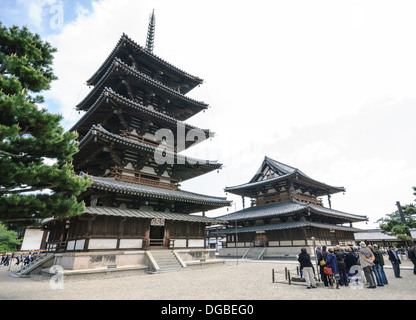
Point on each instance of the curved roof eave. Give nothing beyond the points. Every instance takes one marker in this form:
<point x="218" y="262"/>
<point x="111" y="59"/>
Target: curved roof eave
<point x="93" y="79"/>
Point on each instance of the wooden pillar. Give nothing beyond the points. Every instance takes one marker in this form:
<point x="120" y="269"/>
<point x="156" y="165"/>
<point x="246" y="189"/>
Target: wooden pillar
<point x="291" y="191"/>
<point x="89" y="232"/>
<point x="120" y="231"/>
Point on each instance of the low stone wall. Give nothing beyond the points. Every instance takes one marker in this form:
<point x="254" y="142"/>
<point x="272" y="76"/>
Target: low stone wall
<point x="95" y="260"/>
<point x="270" y="253"/>
<point x="196" y="254"/>
<point x="121" y="259"/>
<point x="232" y="252"/>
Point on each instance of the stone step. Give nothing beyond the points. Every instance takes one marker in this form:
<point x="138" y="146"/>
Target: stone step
<point x="166" y="260"/>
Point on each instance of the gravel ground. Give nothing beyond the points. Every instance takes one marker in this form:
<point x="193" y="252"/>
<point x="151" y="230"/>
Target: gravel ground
<point x="242" y="280"/>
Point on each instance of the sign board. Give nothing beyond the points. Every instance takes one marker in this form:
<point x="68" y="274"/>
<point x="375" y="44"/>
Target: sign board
<point x="157" y="222"/>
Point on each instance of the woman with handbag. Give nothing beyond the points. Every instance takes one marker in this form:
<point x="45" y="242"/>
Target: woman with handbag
<point x="332" y="262"/>
<point x="322" y="254"/>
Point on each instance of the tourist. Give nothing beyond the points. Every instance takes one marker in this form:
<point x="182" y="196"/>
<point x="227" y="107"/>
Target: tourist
<point x="19" y="258"/>
<point x="318" y="253"/>
<point x="378" y="267"/>
<point x="375" y="261"/>
<point x="339" y="254"/>
<point x="395" y="261"/>
<point x="307" y="268"/>
<point x="322" y="255"/>
<point x="27" y="260"/>
<point x="412" y="256"/>
<point x="331" y="261"/>
<point x="351" y="259"/>
<point x="366" y="262"/>
<point x="7" y="257"/>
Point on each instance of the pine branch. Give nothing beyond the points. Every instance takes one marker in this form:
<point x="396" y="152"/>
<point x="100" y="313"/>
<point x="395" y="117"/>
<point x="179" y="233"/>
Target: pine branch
<point x="15" y="156"/>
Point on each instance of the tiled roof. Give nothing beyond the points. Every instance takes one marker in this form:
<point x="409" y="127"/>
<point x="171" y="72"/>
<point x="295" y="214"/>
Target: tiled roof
<point x="121" y="100"/>
<point x="124" y="39"/>
<point x="374" y="235"/>
<point x="283" y="172"/>
<point x="100" y="131"/>
<point x="281" y="208"/>
<point x="136" y="213"/>
<point x="111" y="184"/>
<point x="117" y="63"/>
<point x="281" y="226"/>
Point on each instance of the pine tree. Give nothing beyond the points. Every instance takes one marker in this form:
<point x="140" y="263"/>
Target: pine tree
<point x="395" y="224"/>
<point x="37" y="179"/>
<point x="8" y="239"/>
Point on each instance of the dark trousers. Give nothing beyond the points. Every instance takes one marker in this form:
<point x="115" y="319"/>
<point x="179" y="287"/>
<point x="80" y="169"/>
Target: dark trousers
<point x="343" y="281"/>
<point x="324" y="276"/>
<point x="368" y="273"/>
<point x="414" y="266"/>
<point x="396" y="269"/>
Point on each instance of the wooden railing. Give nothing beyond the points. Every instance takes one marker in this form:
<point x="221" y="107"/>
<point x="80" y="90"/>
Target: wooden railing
<point x="141" y="139"/>
<point x="308" y="199"/>
<point x="55" y="245"/>
<point x="138" y="138"/>
<point x="169" y="243"/>
<point x="143" y="178"/>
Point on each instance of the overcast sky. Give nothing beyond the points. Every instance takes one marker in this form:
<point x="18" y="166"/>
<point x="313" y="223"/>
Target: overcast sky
<point x="328" y="87"/>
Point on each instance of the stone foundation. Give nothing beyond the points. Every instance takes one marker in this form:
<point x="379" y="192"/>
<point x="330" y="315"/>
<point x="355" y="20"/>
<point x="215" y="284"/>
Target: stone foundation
<point x="111" y="261"/>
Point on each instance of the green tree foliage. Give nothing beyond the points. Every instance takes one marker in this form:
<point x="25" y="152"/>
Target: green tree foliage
<point x="393" y="225"/>
<point x="37" y="179"/>
<point x="8" y="239"/>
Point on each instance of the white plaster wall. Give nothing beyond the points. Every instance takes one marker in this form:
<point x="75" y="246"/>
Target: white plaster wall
<point x="32" y="239"/>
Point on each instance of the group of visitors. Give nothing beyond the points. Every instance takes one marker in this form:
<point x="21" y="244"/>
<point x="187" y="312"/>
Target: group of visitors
<point x="341" y="266"/>
<point x="21" y="257"/>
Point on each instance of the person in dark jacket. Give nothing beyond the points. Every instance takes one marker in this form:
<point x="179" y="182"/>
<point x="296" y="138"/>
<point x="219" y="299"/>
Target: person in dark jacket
<point x="412" y="256"/>
<point x="322" y="255"/>
<point x="339" y="253"/>
<point x="378" y="267"/>
<point x="350" y="260"/>
<point x="395" y="261"/>
<point x="306" y="267"/>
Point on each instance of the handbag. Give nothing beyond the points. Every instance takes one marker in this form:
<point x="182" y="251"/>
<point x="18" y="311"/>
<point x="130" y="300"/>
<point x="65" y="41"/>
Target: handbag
<point x="328" y="271"/>
<point x="322" y="262"/>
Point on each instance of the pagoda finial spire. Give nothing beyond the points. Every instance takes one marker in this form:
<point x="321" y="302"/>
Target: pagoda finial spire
<point x="151" y="32"/>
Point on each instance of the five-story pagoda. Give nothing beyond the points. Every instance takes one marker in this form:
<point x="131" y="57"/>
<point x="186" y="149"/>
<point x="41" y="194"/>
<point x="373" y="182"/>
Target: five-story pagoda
<point x="130" y="138"/>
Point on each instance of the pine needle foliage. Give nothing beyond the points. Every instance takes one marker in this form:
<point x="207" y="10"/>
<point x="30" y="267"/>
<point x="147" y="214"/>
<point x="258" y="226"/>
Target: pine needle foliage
<point x="37" y="179"/>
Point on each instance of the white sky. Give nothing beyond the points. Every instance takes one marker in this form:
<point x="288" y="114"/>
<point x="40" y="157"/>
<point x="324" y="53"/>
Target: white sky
<point x="324" y="86"/>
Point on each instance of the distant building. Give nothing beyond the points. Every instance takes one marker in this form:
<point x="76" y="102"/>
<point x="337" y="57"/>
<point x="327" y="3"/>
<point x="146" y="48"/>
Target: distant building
<point x="376" y="236"/>
<point x="285" y="212"/>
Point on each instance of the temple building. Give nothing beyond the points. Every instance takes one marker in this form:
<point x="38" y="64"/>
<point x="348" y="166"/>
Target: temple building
<point x="286" y="211"/>
<point x="130" y="138"/>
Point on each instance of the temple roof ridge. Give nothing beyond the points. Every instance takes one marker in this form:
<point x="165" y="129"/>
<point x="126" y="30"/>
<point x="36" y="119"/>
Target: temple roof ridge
<point x="154" y="192"/>
<point x="125" y="38"/>
<point x="283" y="172"/>
<point x="282" y="208"/>
<point x="99" y="129"/>
<point x="117" y="62"/>
<point x="107" y="91"/>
